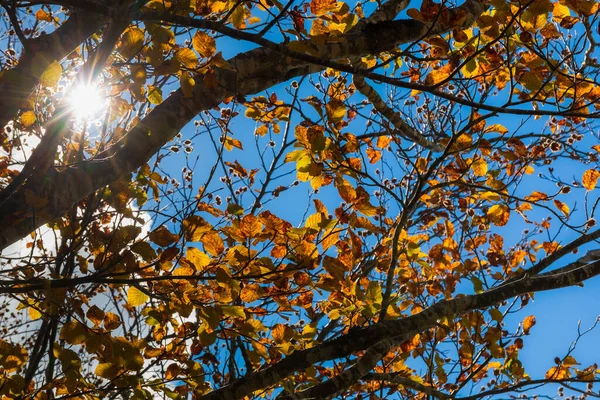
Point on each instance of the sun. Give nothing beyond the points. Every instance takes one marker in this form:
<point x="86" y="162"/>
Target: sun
<point x="86" y="101"/>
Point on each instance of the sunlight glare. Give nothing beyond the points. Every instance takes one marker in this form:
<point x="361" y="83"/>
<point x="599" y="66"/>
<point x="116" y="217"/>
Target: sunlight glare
<point x="85" y="101"/>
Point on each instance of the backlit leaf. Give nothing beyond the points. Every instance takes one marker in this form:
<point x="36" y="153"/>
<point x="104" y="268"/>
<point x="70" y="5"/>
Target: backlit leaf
<point x="589" y="179"/>
<point x="499" y="214"/>
<point x="562" y="207"/>
<point x="51" y="75"/>
<point x="204" y="44"/>
<point x="27" y="119"/>
<point x="136" y="297"/>
<point x="186" y="57"/>
<point x="528" y="323"/>
<point x="197" y="257"/>
<point x="479" y="167"/>
<point x="213" y="244"/>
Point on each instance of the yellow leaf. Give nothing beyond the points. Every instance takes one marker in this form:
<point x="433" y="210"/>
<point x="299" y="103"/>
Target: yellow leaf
<point x="560" y="11"/>
<point x="187" y="85"/>
<point x="136" y="297"/>
<point x="163" y="237"/>
<point x="336" y="110"/>
<point x="197" y="257"/>
<point x="204" y="44"/>
<point x="499" y="214"/>
<point x="497" y="128"/>
<point x="278" y="333"/>
<point x="131" y="42"/>
<point x="34" y="313"/>
<point x="421" y="164"/>
<point x="233" y="311"/>
<point x="569" y="361"/>
<point x="589" y="179"/>
<point x="528" y="323"/>
<point x="321" y="7"/>
<point x="537" y="196"/>
<point x="27" y="118"/>
<point x="51" y="75"/>
<point x="213" y="244"/>
<point x="562" y="207"/>
<point x="186" y="57"/>
<point x="42" y="15"/>
<point x="238" y="17"/>
<point x="194" y="227"/>
<point x="251" y="226"/>
<point x="154" y="95"/>
<point x="479" y="167"/>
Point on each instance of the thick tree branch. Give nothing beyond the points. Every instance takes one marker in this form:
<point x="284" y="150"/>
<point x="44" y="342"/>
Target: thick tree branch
<point x="358" y="339"/>
<point x="249" y="73"/>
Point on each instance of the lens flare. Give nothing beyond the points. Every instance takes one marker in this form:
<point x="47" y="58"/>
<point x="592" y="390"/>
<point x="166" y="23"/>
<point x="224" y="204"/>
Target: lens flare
<point x="86" y="101"/>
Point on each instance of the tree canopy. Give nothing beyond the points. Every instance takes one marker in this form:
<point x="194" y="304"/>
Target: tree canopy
<point x="228" y="199"/>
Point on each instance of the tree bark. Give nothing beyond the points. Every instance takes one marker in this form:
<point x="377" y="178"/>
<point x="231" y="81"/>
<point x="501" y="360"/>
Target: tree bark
<point x="46" y="198"/>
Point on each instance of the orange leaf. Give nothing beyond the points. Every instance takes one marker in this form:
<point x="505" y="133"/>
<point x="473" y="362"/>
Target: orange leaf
<point x="499" y="214"/>
<point x="589" y="179"/>
<point x="204" y="44"/>
<point x="528" y="323"/>
<point x="250" y="226"/>
<point x="213" y="244"/>
<point x="562" y="207"/>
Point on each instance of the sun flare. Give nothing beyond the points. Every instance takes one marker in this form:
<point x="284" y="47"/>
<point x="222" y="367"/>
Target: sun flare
<point x="86" y="101"/>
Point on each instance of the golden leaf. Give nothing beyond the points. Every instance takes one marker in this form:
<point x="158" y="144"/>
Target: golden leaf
<point x="154" y="95"/>
<point x="163" y="237"/>
<point x="34" y="312"/>
<point x="51" y="75"/>
<point x="336" y="110"/>
<point x="321" y="7"/>
<point x="204" y="44"/>
<point x="186" y="57"/>
<point x="250" y="226"/>
<point x="528" y="323"/>
<point x="42" y="15"/>
<point x="589" y="179"/>
<point x="135" y="297"/>
<point x="27" y="118"/>
<point x="499" y="214"/>
<point x="479" y="167"/>
<point x="197" y="257"/>
<point x="131" y="42"/>
<point x="187" y="84"/>
<point x="562" y="207"/>
<point x="213" y="244"/>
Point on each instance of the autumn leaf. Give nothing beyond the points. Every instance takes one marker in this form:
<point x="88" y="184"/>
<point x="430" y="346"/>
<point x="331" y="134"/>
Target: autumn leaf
<point x="499" y="214"/>
<point x="42" y="15"/>
<point x="197" y="257"/>
<point x="322" y="7"/>
<point x="186" y="57"/>
<point x="28" y="118"/>
<point x="589" y="179"/>
<point x="204" y="44"/>
<point x="163" y="237"/>
<point x="528" y="323"/>
<point x="213" y="244"/>
<point x="479" y="167"/>
<point x="187" y="85"/>
<point x="51" y="75"/>
<point x="135" y="297"/>
<point x="250" y="226"/>
<point x="132" y="41"/>
<point x="154" y="95"/>
<point x="562" y="207"/>
<point x="336" y="110"/>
